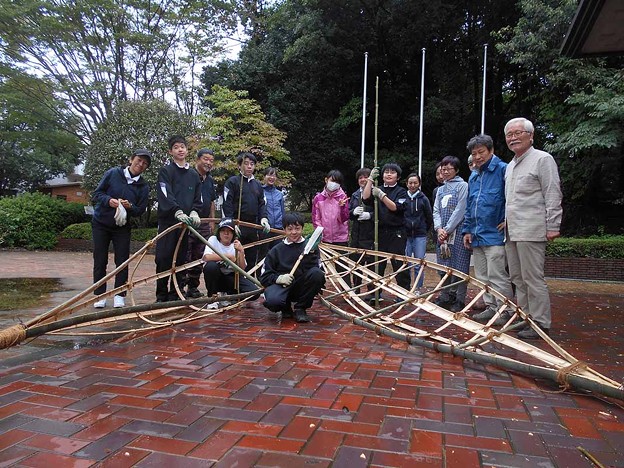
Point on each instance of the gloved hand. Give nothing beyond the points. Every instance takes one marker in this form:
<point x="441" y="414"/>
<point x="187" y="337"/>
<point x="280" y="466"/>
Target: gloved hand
<point x="195" y="219"/>
<point x="121" y="215"/>
<point x="266" y="227"/>
<point x="237" y="231"/>
<point x="377" y="192"/>
<point x="364" y="216"/>
<point x="285" y="280"/>
<point x="445" y="251"/>
<point x="180" y="216"/>
<point x="358" y="210"/>
<point x="374" y="174"/>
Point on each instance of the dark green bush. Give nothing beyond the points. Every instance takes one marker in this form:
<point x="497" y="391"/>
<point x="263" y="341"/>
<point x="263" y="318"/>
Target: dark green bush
<point x="83" y="231"/>
<point x="33" y="220"/>
<point x="595" y="247"/>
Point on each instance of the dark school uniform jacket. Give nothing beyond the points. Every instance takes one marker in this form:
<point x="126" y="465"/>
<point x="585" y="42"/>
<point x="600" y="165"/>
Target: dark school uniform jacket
<point x="281" y="259"/>
<point x="115" y="185"/>
<point x="253" y="207"/>
<point x="179" y="188"/>
<point x="390" y="220"/>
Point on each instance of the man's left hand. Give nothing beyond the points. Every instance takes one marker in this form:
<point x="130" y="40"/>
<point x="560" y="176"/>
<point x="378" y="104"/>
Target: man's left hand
<point x="552" y="235"/>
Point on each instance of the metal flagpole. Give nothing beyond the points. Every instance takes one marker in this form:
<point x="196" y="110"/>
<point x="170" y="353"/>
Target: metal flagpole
<point x="364" y="107"/>
<point x="483" y="97"/>
<point x="376" y="201"/>
<point x="422" y="108"/>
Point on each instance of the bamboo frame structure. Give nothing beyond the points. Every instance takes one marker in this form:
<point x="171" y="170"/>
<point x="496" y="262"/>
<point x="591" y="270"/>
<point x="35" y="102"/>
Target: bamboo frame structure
<point x="404" y="315"/>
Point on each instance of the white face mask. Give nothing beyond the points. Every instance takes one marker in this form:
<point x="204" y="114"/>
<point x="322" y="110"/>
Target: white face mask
<point x="332" y="186"/>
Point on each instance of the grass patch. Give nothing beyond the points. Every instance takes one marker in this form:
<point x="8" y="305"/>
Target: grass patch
<point x="25" y="293"/>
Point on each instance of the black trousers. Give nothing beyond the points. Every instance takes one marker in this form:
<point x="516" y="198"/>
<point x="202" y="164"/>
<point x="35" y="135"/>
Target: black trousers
<point x="195" y="251"/>
<point x="301" y="292"/>
<point x="217" y="281"/>
<point x="165" y="248"/>
<point x="249" y="235"/>
<point x="394" y="241"/>
<point x="367" y="259"/>
<point x="102" y="237"/>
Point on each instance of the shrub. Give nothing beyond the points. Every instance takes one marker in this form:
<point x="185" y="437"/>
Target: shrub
<point x="33" y="220"/>
<point x="594" y="247"/>
<point x="83" y="231"/>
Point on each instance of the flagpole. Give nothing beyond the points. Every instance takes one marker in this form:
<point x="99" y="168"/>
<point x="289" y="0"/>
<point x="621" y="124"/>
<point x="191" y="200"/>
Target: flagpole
<point x="483" y="97"/>
<point x="422" y="107"/>
<point x="364" y="108"/>
<point x="376" y="201"/>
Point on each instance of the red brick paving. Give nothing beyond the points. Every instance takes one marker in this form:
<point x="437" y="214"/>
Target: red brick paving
<point x="244" y="388"/>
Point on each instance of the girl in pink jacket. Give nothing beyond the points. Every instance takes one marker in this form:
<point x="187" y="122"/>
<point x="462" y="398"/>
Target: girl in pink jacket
<point x="330" y="209"/>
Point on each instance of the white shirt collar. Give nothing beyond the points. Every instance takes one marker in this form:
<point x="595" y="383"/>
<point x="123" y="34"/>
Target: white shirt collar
<point x="288" y="242"/>
<point x="129" y="177"/>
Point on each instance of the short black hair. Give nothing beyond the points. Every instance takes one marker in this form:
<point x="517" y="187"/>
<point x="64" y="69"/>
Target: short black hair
<point x="365" y="171"/>
<point x="413" y="174"/>
<point x="203" y="151"/>
<point x="270" y="170"/>
<point x="240" y="157"/>
<point x="480" y="140"/>
<point x="336" y="176"/>
<point x="293" y="218"/>
<point x="176" y="139"/>
<point x="452" y="160"/>
<point x="393" y="167"/>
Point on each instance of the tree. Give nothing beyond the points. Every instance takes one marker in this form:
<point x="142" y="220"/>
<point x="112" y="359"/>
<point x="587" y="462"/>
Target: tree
<point x="577" y="107"/>
<point x="234" y="123"/>
<point x="36" y="141"/>
<point x="99" y="52"/>
<point x="134" y="124"/>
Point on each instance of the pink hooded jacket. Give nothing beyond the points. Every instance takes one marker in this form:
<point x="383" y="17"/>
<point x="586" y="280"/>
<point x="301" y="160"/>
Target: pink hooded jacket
<point x="327" y="212"/>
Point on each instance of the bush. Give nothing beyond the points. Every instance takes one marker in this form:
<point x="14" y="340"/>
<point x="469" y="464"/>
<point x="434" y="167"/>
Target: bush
<point x="83" y="231"/>
<point x="33" y="220"/>
<point x="594" y="247"/>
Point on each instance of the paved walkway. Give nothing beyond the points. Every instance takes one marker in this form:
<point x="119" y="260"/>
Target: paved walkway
<point x="242" y="389"/>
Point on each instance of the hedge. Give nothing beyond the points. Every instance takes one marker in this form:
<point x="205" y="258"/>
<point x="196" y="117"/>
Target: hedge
<point x="83" y="231"/>
<point x="595" y="247"/>
<point x="33" y="220"/>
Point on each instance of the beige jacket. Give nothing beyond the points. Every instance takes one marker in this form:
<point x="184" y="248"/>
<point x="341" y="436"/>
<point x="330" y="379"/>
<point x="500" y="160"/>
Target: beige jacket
<point x="533" y="196"/>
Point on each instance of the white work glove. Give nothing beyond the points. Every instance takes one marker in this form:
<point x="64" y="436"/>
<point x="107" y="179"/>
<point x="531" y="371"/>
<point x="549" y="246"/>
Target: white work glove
<point x="285" y="280"/>
<point x="195" y="219"/>
<point x="364" y="216"/>
<point x="121" y="215"/>
<point x="377" y="192"/>
<point x="266" y="227"/>
<point x="358" y="211"/>
<point x="180" y="216"/>
<point x="374" y="174"/>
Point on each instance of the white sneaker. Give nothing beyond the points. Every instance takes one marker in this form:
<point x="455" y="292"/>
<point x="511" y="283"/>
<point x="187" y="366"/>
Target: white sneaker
<point x="119" y="301"/>
<point x="212" y="305"/>
<point x="100" y="304"/>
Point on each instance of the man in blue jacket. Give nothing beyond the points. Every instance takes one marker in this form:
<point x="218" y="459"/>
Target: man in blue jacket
<point x="484" y="224"/>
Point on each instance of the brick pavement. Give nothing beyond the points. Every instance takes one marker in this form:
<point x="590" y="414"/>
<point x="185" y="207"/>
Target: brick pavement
<point x="243" y="389"/>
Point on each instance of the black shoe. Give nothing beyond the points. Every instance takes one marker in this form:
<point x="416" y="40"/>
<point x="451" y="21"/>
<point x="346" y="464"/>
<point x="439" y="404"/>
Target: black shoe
<point x="287" y="312"/>
<point x="161" y="298"/>
<point x="529" y="334"/>
<point x="441" y="303"/>
<point x="192" y="293"/>
<point x="301" y="316"/>
<point x="483" y="317"/>
<point x="457" y="306"/>
<point x="371" y="301"/>
<point x="501" y="320"/>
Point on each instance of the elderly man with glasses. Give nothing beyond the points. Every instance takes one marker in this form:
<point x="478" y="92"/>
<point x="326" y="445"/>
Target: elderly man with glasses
<point x="533" y="217"/>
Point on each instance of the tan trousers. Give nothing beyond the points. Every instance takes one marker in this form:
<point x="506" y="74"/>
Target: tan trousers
<point x="526" y="268"/>
<point x="490" y="266"/>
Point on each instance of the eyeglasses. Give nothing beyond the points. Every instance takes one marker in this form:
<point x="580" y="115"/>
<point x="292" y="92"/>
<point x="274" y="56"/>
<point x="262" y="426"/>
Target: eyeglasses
<point x="515" y="134"/>
<point x="447" y="169"/>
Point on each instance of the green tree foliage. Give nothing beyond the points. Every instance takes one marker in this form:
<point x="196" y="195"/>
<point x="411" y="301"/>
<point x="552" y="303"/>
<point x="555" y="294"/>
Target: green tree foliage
<point x="97" y="52"/>
<point x="134" y="124"/>
<point x="36" y="142"/>
<point x="577" y="107"/>
<point x="233" y="123"/>
<point x="33" y="220"/>
<point x="306" y="70"/>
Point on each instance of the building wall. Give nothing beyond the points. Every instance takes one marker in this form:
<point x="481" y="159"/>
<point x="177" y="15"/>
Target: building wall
<point x="69" y="193"/>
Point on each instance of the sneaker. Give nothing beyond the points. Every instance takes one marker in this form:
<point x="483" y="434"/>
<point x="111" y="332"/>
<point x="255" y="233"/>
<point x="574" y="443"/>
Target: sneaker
<point x="212" y="306"/>
<point x="119" y="301"/>
<point x="225" y="303"/>
<point x="442" y="303"/>
<point x="529" y="334"/>
<point x="457" y="306"/>
<point x="372" y="299"/>
<point x="301" y="316"/>
<point x="483" y="317"/>
<point x="100" y="304"/>
<point x="503" y="319"/>
<point x="192" y="293"/>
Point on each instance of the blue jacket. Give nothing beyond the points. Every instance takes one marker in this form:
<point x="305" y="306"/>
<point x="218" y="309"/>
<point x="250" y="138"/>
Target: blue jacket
<point x="418" y="215"/>
<point x="274" y="200"/>
<point x="115" y="185"/>
<point x="485" y="208"/>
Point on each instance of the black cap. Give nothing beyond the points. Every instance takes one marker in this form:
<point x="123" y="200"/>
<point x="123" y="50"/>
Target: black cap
<point x="144" y="153"/>
<point x="226" y="223"/>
